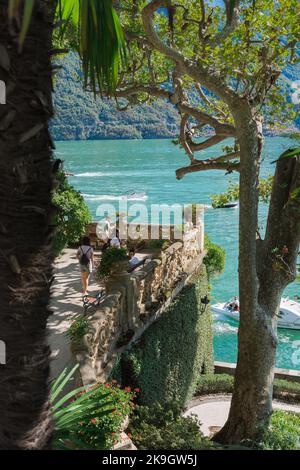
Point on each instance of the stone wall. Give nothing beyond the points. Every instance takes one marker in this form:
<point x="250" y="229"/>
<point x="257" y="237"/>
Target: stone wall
<point x="134" y="300"/>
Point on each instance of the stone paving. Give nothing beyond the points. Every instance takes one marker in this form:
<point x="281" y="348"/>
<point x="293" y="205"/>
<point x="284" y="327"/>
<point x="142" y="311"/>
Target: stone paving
<point x="66" y="304"/>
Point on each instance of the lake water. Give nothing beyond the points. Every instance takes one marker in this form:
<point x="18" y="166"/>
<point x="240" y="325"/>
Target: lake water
<point x="106" y="170"/>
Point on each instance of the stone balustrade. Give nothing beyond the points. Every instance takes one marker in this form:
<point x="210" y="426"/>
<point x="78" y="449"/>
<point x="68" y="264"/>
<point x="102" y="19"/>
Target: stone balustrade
<point x="133" y="301"/>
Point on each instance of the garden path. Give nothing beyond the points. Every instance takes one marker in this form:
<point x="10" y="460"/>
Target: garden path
<point x="213" y="412"/>
<point x="66" y="305"/>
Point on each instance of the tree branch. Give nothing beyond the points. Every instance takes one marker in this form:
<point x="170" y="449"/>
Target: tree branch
<point x="149" y="89"/>
<point x="226" y="130"/>
<point x="211" y="81"/>
<point x="212" y="164"/>
<point x="232" y="20"/>
<point x="213" y="140"/>
<point x="183" y="139"/>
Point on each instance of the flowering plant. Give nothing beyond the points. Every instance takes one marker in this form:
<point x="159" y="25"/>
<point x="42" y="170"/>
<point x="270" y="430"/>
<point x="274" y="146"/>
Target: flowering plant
<point x="90" y="417"/>
<point x="103" y="431"/>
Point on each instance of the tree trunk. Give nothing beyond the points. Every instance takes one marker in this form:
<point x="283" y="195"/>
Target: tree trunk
<point x="26" y="230"/>
<point x="260" y="284"/>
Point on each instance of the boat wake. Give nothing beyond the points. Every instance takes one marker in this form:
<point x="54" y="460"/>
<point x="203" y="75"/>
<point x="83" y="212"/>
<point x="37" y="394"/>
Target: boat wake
<point x="108" y="197"/>
<point x="220" y="328"/>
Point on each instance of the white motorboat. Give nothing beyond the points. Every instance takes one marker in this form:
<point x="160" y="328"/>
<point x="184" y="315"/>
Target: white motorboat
<point x="289" y="313"/>
<point x="135" y="196"/>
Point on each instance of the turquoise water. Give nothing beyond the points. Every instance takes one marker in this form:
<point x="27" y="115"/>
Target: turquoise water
<point x="106" y="170"/>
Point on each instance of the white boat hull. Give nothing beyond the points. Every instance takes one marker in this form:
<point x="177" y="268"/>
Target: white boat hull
<point x="289" y="312"/>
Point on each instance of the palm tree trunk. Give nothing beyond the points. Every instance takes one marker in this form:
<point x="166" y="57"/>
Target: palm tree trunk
<point x="26" y="232"/>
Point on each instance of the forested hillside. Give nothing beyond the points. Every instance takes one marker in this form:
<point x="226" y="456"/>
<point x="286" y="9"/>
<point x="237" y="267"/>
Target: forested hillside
<point x="80" y="116"/>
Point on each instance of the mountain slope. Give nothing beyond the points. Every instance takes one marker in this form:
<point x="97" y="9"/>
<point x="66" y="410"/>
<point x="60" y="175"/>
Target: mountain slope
<point x="80" y="116"/>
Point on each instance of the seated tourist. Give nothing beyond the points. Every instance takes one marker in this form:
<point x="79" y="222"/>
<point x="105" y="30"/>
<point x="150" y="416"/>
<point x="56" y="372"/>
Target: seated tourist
<point x="134" y="260"/>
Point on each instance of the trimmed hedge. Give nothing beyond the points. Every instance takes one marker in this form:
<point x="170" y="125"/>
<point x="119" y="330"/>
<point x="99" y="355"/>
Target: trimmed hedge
<point x="168" y="359"/>
<point x="223" y="383"/>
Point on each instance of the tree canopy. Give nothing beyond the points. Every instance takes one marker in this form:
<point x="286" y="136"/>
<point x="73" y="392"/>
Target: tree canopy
<point x="203" y="57"/>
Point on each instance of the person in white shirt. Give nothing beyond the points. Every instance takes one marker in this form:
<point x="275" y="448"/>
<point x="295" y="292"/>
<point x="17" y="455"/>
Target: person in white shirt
<point x="115" y="241"/>
<point x="134" y="260"/>
<point x="85" y="256"/>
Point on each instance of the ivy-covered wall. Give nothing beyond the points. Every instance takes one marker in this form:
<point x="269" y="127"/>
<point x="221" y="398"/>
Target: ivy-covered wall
<point x="166" y="362"/>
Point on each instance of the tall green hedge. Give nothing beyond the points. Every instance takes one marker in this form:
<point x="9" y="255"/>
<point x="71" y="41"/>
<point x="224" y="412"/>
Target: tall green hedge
<point x="168" y="359"/>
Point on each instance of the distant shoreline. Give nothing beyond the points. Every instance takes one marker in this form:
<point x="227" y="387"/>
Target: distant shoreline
<point x="72" y="139"/>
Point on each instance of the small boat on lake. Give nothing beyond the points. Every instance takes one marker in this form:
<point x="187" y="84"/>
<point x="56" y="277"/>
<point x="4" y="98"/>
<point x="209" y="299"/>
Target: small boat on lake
<point x="289" y="313"/>
<point x="135" y="196"/>
<point x="228" y="205"/>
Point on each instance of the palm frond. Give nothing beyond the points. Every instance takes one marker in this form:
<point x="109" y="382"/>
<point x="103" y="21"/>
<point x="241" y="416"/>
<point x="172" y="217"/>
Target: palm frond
<point x="22" y="12"/>
<point x="67" y="415"/>
<point x="100" y="40"/>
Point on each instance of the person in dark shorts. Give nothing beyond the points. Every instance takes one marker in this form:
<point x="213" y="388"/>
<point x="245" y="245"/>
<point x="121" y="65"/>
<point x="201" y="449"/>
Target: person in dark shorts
<point x="85" y="256"/>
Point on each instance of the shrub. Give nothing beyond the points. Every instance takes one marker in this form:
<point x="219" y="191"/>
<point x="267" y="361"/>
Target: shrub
<point x="159" y="244"/>
<point x="163" y="427"/>
<point x="110" y="257"/>
<point x="72" y="217"/>
<point x="88" y="417"/>
<point x="173" y="351"/>
<point x="231" y="195"/>
<point x="287" y="391"/>
<point x="103" y="431"/>
<point x="209" y="384"/>
<point x="78" y="328"/>
<point x="214" y="259"/>
<point x="283" y="432"/>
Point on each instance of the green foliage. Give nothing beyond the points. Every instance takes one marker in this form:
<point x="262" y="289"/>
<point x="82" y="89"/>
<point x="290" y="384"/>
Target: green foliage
<point x="287" y="391"/>
<point x="159" y="244"/>
<point x="109" y="258"/>
<point x="102" y="432"/>
<point x="72" y="217"/>
<point x="215" y="258"/>
<point x="168" y="359"/>
<point x="210" y="384"/>
<point x="283" y="432"/>
<point x="265" y="188"/>
<point x="163" y="427"/>
<point x="100" y="38"/>
<point x="78" y="328"/>
<point x="232" y="193"/>
<point x="73" y="408"/>
<point x="88" y="417"/>
<point x="249" y="60"/>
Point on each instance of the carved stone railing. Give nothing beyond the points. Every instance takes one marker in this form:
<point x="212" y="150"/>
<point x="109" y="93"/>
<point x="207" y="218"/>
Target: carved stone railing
<point x="133" y="301"/>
